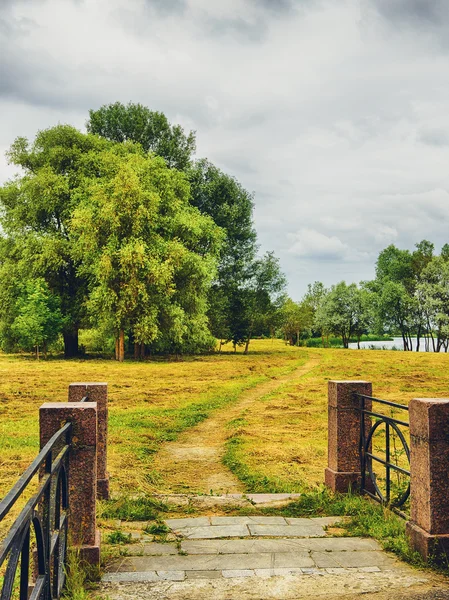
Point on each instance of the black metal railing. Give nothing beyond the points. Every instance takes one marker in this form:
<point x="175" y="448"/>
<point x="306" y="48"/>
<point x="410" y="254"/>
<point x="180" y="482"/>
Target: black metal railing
<point x="395" y="450"/>
<point x="35" y="573"/>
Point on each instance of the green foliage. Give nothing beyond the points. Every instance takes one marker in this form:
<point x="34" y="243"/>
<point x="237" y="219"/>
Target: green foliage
<point x="344" y="311"/>
<point x="39" y="319"/>
<point x="150" y="255"/>
<point x="296" y="320"/>
<point x="118" y="537"/>
<point x="158" y="528"/>
<point x="36" y="211"/>
<point x="150" y="129"/>
<point x="126" y="508"/>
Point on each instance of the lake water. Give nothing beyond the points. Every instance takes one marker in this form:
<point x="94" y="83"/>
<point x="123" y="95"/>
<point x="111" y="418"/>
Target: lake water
<point x="396" y="343"/>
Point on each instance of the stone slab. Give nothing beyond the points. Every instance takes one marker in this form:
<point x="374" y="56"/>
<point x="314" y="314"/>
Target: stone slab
<point x="308" y="530"/>
<point x="216" y="531"/>
<point x="171" y="575"/>
<point x="363" y="559"/>
<point x="126" y="577"/>
<point x="248" y="520"/>
<point x="269" y="498"/>
<point x="203" y="574"/>
<point x="275" y="545"/>
<point x="176" y="524"/>
<point x="297" y="560"/>
<point x="238" y="573"/>
<point x="324" y="560"/>
<point x="155" y="549"/>
<point x="265" y="573"/>
<point x="316" y="521"/>
<point x="211" y="562"/>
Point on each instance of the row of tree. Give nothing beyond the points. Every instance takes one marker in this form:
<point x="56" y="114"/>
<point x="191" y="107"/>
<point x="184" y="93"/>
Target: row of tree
<point x="120" y="229"/>
<point x="409" y="297"/>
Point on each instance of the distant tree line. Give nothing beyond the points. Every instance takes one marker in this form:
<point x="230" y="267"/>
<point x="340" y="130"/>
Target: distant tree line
<point x="120" y="231"/>
<point x="409" y="298"/>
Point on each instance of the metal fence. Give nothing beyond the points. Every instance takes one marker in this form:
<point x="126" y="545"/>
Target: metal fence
<point x="43" y="519"/>
<point x="394" y="454"/>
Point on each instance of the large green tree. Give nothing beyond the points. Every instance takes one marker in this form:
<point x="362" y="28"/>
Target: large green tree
<point x="149" y="255"/>
<point x="151" y="129"/>
<point x="35" y="215"/>
<point x="344" y="311"/>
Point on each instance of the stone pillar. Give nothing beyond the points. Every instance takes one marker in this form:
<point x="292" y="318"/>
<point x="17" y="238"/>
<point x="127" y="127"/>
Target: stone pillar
<point x="82" y="470"/>
<point x="428" y="528"/>
<point x="97" y="392"/>
<point x="343" y="470"/>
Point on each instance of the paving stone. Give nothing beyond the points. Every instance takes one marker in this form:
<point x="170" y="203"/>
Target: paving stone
<point x="363" y="559"/>
<point x="135" y="536"/>
<point x="369" y="570"/>
<point x="324" y="560"/>
<point x="330" y="544"/>
<point x="283" y="545"/>
<point x="176" y="524"/>
<point x="155" y="549"/>
<point x="210" y="562"/>
<point x="286" y="530"/>
<point x="244" y="546"/>
<point x="130" y="577"/>
<point x="171" y="575"/>
<point x="203" y="574"/>
<point x="268" y="498"/>
<point x="293" y="560"/>
<point x="238" y="573"/>
<point x="247" y="520"/>
<point x="265" y="573"/>
<point x="216" y="531"/>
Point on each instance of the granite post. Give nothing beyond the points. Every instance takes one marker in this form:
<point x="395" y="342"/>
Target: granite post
<point x="428" y="528"/>
<point x="82" y="468"/>
<point x="97" y="392"/>
<point x="343" y="470"/>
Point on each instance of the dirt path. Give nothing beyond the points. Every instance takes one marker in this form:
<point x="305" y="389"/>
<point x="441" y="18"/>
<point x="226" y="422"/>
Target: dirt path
<point x="192" y="464"/>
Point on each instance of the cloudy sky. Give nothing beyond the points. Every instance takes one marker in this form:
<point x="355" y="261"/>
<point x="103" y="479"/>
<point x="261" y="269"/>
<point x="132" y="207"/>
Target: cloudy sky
<point x="334" y="112"/>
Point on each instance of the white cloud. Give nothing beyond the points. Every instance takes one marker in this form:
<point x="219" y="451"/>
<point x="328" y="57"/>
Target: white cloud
<point x="311" y="244"/>
<point x="334" y="113"/>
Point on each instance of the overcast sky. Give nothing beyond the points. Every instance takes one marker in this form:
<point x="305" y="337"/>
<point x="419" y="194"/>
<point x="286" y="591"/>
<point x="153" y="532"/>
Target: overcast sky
<point x="334" y="112"/>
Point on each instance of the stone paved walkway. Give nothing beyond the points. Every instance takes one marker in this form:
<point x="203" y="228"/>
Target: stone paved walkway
<point x="256" y="557"/>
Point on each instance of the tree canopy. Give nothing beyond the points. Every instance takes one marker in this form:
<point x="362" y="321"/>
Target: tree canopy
<point x="151" y="129"/>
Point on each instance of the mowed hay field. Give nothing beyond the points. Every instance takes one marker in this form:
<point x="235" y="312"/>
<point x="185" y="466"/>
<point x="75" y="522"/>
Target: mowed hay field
<point x="278" y="443"/>
<point x="149" y="402"/>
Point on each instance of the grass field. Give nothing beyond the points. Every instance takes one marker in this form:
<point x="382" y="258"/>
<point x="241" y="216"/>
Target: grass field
<point x="277" y="443"/>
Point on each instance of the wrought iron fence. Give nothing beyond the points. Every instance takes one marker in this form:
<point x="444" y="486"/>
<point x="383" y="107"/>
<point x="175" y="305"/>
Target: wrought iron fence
<point x="43" y="518"/>
<point x="396" y="454"/>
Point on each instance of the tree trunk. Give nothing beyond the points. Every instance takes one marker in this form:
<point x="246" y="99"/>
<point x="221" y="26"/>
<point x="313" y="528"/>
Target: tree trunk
<point x="142" y="351"/>
<point x="121" y="345"/>
<point x="116" y="348"/>
<point x="358" y="342"/>
<point x="71" y="343"/>
<point x="45" y="350"/>
<point x="37" y="351"/>
<point x="247" y="344"/>
<point x="136" y="350"/>
<point x="219" y="348"/>
<point x="297" y="338"/>
<point x="418" y="338"/>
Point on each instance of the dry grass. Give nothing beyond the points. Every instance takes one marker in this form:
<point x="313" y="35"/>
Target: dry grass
<point x="279" y="439"/>
<point x="280" y="442"/>
<point x="149" y="402"/>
